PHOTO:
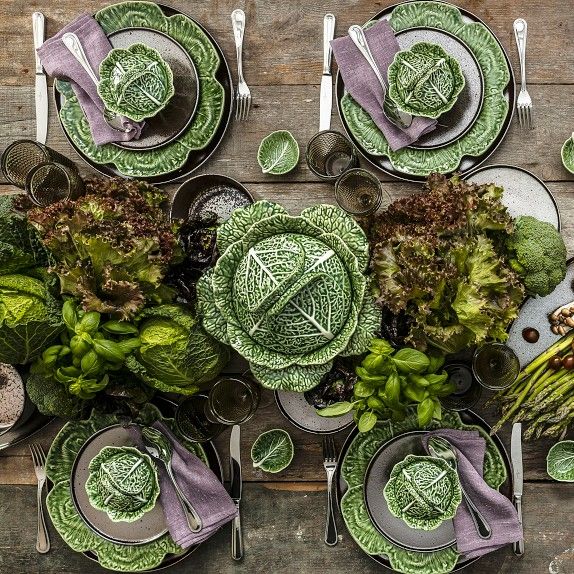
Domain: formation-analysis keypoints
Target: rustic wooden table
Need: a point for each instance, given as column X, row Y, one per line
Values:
column 284, row 514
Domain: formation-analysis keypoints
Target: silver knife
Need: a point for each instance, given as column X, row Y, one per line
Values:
column 518, row 479
column 235, row 488
column 38, row 28
column 326, row 101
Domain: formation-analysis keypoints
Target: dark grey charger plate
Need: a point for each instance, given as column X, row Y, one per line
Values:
column 467, row 163
column 468, row 417
column 196, row 158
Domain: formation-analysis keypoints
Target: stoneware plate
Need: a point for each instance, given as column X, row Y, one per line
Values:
column 12, row 397
column 487, row 129
column 170, row 122
column 524, row 193
column 534, row 313
column 214, row 193
column 301, row 414
column 567, row 154
column 395, row 529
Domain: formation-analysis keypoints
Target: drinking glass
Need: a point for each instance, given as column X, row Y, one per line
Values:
column 495, row 366
column 467, row 392
column 359, row 192
column 49, row 182
column 191, row 421
column 232, row 400
column 329, row 154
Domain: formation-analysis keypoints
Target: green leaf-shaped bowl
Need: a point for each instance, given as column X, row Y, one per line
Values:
column 135, row 82
column 425, row 80
column 278, row 153
column 567, row 154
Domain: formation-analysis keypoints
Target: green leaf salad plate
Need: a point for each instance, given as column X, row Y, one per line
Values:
column 81, row 514
column 203, row 121
column 477, row 122
column 362, row 450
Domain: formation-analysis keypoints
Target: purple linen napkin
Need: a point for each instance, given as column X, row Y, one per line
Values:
column 361, row 82
column 58, row 62
column 495, row 507
column 206, row 493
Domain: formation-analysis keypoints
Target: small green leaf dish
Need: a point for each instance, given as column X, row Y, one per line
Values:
column 423, row 491
column 123, row 483
column 560, row 461
column 272, row 451
column 278, row 153
column 135, row 82
column 425, row 80
column 567, row 154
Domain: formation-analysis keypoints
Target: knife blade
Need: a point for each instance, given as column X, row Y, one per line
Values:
column 41, row 88
column 518, row 479
column 235, row 489
column 326, row 99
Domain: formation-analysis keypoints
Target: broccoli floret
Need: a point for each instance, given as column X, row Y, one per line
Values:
column 538, row 254
column 52, row 398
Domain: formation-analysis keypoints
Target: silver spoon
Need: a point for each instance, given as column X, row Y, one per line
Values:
column 393, row 114
column 72, row 42
column 159, row 448
column 441, row 448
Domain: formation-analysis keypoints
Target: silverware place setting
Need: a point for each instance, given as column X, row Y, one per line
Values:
column 524, row 101
column 330, row 465
column 235, row 489
column 242, row 93
column 39, row 461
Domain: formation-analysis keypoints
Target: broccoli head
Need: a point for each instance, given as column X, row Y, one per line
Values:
column 538, row 254
column 52, row 398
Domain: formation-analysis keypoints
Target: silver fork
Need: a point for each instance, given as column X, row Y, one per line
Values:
column 524, row 101
column 39, row 460
column 243, row 94
column 330, row 464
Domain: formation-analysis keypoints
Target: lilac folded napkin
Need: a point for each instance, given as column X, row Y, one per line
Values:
column 58, row 62
column 495, row 507
column 362, row 83
column 203, row 489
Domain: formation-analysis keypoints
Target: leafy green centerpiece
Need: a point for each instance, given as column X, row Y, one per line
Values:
column 288, row 293
column 123, row 483
column 425, row 80
column 135, row 82
column 423, row 491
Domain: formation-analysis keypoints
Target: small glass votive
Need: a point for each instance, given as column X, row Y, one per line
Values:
column 329, row 154
column 467, row 392
column 21, row 156
column 495, row 366
column 191, row 421
column 359, row 192
column 49, row 182
column 232, row 400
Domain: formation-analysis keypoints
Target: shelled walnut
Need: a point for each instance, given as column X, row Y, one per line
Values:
column 562, row 319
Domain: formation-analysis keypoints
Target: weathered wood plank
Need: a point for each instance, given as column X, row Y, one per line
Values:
column 283, row 41
column 283, row 534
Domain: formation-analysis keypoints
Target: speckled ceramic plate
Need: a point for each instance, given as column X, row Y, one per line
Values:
column 12, row 396
column 356, row 454
column 180, row 157
column 524, row 193
column 301, row 414
column 534, row 313
column 488, row 128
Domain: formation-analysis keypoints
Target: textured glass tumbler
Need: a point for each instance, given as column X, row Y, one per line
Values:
column 232, row 400
column 359, row 192
column 50, row 182
column 495, row 366
column 329, row 154
column 467, row 392
column 21, row 156
column 191, row 421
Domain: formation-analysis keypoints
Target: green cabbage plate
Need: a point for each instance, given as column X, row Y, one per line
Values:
column 487, row 126
column 168, row 158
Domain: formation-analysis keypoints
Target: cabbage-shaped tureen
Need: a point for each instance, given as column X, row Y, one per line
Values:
column 289, row 293
column 122, row 482
column 423, row 491
column 135, row 82
column 425, row 80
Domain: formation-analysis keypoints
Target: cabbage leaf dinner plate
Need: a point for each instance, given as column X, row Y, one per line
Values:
column 149, row 163
column 480, row 126
column 356, row 456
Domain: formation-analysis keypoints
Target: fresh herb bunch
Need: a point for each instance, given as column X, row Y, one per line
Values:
column 389, row 381
column 112, row 246
column 438, row 256
column 88, row 352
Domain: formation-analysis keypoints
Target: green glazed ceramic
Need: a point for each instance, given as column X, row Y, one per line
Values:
column 354, row 467
column 64, row 514
column 204, row 124
column 123, row 483
column 487, row 126
column 568, row 154
column 135, row 82
column 423, row 491
column 425, row 80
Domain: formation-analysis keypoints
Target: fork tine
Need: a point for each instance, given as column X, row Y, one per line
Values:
column 519, row 114
column 34, row 454
column 248, row 106
column 237, row 104
column 529, row 116
column 244, row 108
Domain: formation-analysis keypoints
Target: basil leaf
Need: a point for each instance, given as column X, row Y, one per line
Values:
column 69, row 314
column 363, row 389
column 393, row 389
column 434, row 379
column 336, row 409
column 367, row 421
column 435, row 363
column 425, row 411
column 410, row 361
column 381, row 347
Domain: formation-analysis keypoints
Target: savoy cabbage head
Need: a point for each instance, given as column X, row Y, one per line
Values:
column 289, row 293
